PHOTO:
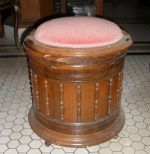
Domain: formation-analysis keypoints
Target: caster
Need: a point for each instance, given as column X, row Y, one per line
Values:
column 116, row 136
column 47, row 144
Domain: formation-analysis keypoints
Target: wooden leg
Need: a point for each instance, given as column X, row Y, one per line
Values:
column 1, row 27
column 47, row 144
column 16, row 18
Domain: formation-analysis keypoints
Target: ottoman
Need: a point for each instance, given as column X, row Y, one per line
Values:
column 76, row 71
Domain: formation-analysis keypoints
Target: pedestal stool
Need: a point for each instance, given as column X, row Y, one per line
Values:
column 76, row 70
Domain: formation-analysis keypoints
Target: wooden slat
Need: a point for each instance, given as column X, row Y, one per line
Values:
column 87, row 101
column 70, row 99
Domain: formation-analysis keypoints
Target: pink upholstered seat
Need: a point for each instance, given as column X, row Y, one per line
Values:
column 78, row 32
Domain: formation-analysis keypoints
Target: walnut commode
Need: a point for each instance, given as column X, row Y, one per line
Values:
column 76, row 90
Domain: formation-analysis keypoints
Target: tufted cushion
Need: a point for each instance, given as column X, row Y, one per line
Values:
column 78, row 32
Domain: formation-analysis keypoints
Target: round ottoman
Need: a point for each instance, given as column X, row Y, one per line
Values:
column 76, row 71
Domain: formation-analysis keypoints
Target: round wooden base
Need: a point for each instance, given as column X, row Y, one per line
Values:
column 68, row 140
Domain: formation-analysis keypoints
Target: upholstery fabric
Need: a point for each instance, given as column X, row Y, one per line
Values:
column 78, row 32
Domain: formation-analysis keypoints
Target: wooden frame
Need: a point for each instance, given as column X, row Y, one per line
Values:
column 6, row 4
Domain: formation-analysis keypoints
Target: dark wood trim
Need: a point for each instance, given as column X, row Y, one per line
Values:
column 13, row 5
column 16, row 22
column 99, row 7
column 1, row 27
column 63, row 7
column 131, row 20
column 140, row 46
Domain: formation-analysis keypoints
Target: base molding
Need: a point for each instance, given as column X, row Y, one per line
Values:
column 76, row 140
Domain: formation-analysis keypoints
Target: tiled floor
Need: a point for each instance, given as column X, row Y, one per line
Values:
column 15, row 101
